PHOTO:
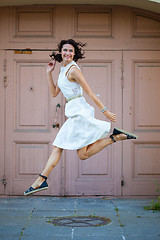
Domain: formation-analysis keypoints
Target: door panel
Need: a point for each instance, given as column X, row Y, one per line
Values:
column 30, row 112
column 141, row 115
column 100, row 174
column 2, row 121
column 31, row 93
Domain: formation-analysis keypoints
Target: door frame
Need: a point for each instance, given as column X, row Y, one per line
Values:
column 2, row 121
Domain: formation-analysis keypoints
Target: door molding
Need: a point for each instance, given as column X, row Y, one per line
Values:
column 2, row 124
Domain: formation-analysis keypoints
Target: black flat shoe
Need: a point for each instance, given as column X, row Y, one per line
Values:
column 32, row 190
column 117, row 131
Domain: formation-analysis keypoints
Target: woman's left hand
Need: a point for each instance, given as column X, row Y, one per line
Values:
column 51, row 66
column 110, row 116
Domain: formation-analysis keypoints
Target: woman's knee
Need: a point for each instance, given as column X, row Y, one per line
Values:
column 82, row 154
column 57, row 150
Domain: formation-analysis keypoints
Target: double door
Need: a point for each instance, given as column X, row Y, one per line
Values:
column 123, row 81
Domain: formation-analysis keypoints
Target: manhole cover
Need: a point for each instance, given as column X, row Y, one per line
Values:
column 80, row 221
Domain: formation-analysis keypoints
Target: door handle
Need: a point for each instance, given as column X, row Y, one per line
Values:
column 55, row 123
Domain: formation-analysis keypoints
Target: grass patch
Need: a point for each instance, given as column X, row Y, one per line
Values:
column 155, row 205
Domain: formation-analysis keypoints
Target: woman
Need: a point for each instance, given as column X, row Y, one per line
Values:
column 81, row 131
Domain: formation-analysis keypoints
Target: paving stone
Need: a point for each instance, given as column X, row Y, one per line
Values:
column 25, row 218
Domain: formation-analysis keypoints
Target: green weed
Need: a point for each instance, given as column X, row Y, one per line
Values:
column 155, row 204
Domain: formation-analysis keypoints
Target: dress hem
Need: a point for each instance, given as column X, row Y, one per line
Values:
column 105, row 134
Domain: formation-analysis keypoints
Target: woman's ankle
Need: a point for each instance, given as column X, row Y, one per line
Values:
column 38, row 182
column 120, row 137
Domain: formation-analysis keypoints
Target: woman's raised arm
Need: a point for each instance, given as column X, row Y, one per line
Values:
column 54, row 89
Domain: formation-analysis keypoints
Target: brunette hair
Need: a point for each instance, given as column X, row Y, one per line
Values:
column 77, row 46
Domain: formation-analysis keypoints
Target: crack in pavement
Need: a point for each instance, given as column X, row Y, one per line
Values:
column 23, row 229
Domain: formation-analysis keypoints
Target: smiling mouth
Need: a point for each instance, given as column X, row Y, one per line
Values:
column 67, row 57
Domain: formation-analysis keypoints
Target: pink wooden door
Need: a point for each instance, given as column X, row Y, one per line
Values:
column 30, row 112
column 100, row 174
column 141, row 114
column 2, row 123
column 29, row 116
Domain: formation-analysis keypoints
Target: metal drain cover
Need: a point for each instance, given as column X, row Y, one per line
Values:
column 80, row 221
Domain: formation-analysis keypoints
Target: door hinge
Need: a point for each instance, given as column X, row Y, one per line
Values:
column 122, row 181
column 5, row 82
column 122, row 73
column 4, row 181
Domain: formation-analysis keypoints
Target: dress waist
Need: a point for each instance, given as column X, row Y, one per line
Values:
column 74, row 97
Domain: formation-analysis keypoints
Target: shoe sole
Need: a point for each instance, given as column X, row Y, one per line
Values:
column 36, row 190
column 127, row 133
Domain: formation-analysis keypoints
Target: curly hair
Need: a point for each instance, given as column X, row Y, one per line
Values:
column 77, row 46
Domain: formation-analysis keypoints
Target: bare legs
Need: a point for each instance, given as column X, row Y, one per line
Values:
column 83, row 154
column 97, row 146
column 52, row 162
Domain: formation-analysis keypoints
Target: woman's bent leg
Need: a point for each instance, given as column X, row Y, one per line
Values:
column 97, row 146
column 52, row 162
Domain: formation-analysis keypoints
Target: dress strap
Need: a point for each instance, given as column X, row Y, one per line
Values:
column 69, row 69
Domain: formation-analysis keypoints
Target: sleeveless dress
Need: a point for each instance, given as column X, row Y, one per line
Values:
column 81, row 128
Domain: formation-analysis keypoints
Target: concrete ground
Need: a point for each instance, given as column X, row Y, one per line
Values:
column 29, row 218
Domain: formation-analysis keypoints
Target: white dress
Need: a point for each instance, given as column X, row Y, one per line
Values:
column 81, row 128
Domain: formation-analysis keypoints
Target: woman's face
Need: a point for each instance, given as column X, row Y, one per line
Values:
column 68, row 53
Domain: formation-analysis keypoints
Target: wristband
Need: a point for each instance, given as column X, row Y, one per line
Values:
column 103, row 109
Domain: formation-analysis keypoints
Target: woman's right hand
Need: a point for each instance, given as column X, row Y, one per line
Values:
column 110, row 116
column 51, row 66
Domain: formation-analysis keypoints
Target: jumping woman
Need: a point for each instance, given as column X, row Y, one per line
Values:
column 81, row 131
